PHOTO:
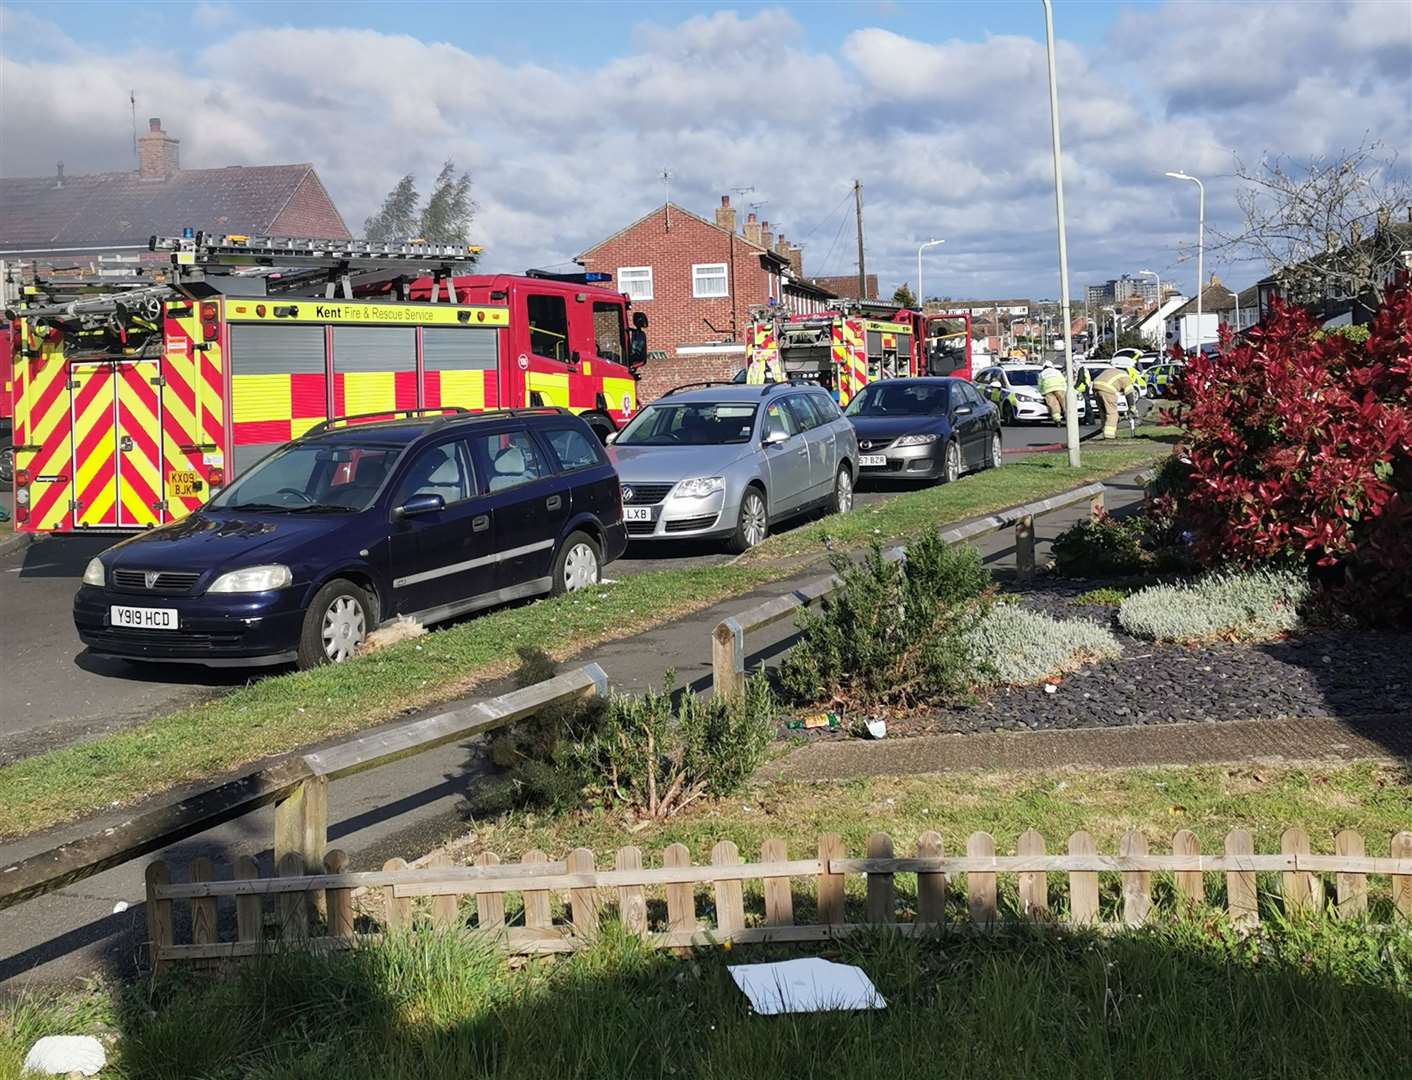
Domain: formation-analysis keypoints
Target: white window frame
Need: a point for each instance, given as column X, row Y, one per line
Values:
column 721, row 270
column 631, row 287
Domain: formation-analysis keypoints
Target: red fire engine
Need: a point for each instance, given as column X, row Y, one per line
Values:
column 849, row 345
column 131, row 407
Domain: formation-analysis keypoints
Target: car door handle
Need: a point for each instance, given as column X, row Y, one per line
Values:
column 803, row 451
column 480, row 523
column 553, row 502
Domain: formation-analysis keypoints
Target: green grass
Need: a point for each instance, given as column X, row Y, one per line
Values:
column 1108, row 596
column 285, row 712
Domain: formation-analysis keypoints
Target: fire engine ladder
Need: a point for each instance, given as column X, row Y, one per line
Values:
column 336, row 265
column 126, row 311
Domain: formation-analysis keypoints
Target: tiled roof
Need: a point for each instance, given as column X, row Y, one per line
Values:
column 103, row 209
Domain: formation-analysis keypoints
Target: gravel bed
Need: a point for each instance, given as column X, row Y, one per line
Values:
column 1334, row 674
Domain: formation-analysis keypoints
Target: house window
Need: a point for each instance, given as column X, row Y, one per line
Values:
column 636, row 281
column 709, row 279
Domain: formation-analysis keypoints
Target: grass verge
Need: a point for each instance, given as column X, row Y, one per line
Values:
column 1302, row 999
column 284, row 712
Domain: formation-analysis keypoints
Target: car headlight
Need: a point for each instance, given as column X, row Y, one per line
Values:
column 93, row 573
column 1028, row 395
column 253, row 579
column 699, row 487
column 915, row 440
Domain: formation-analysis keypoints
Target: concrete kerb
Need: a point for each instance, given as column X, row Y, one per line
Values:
column 728, row 637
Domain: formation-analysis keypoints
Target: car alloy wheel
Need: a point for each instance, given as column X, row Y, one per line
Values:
column 996, row 451
column 580, row 567
column 345, row 627
column 953, row 463
column 843, row 492
column 752, row 518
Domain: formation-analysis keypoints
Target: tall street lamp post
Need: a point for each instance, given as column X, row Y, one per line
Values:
column 1071, row 420
column 1200, row 247
column 921, row 296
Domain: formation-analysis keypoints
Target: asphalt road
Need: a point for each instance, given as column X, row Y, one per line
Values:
column 53, row 692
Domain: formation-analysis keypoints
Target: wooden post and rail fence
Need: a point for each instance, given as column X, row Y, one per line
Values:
column 563, row 902
column 728, row 650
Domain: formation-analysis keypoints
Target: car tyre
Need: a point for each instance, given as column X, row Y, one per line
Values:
column 997, row 451
column 951, row 463
column 753, row 523
column 842, row 491
column 579, row 564
column 337, row 621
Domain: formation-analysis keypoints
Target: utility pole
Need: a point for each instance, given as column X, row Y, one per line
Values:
column 132, row 104
column 858, row 213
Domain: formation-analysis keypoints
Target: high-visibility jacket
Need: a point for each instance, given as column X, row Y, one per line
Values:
column 1051, row 381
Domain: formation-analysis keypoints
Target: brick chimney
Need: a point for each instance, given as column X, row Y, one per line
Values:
column 767, row 238
column 796, row 260
column 752, row 228
column 725, row 214
column 157, row 152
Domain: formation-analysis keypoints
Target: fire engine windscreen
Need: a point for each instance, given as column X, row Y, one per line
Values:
column 324, row 479
column 900, row 399
column 694, row 424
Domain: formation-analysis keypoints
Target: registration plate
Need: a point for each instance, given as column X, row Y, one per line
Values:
column 637, row 513
column 143, row 618
column 869, row 461
column 183, row 483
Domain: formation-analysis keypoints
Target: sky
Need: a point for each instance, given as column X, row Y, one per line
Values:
column 566, row 115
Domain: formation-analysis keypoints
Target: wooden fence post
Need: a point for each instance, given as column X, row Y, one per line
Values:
column 830, row 884
column 159, row 913
column 632, row 901
column 931, row 887
column 882, row 890
column 1240, row 884
column 1137, row 884
column 203, row 908
column 681, row 896
column 779, row 893
column 1402, row 883
column 301, row 827
column 248, row 913
column 293, row 906
column 539, row 913
column 1190, row 885
column 1024, row 546
column 727, row 658
column 583, row 903
column 1034, row 884
column 490, row 907
column 339, row 901
column 1352, row 889
column 1083, row 884
column 980, row 886
column 730, row 901
column 1301, row 891
column 397, row 910
column 443, row 908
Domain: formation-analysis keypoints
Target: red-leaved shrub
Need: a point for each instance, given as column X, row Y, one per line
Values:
column 1301, row 448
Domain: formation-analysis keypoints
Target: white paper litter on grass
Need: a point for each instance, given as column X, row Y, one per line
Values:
column 810, row 985
column 64, row 1055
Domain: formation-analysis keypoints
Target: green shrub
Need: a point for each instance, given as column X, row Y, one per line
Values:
column 893, row 632
column 1108, row 596
column 1238, row 605
column 1100, row 547
column 1021, row 646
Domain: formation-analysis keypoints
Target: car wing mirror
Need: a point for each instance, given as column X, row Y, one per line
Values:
column 426, row 503
column 961, row 410
column 774, row 436
column 610, row 438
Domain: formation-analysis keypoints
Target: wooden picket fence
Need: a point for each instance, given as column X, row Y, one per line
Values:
column 282, row 911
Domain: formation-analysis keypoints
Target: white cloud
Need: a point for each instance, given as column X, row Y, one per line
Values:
column 950, row 138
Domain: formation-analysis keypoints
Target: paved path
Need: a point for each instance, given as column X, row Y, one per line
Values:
column 402, row 809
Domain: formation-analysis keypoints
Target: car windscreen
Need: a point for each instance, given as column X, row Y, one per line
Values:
column 1023, row 378
column 690, row 424
column 312, row 478
column 906, row 399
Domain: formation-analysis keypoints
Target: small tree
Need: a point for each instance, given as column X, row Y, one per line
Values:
column 903, row 297
column 397, row 220
column 445, row 219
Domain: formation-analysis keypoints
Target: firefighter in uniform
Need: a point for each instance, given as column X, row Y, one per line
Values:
column 1108, row 385
column 1051, row 387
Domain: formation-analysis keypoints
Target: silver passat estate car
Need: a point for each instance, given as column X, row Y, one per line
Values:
column 727, row 461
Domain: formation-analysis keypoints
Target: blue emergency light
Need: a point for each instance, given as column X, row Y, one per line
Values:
column 188, row 233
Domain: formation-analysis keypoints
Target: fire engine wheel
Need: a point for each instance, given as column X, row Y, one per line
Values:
column 753, row 525
column 843, row 491
column 997, row 451
column 951, row 464
column 577, row 565
column 7, row 465
column 335, row 624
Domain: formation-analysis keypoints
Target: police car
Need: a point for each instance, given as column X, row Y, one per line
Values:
column 1014, row 390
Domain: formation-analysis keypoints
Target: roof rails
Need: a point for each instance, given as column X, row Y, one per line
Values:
column 700, row 386
column 438, row 413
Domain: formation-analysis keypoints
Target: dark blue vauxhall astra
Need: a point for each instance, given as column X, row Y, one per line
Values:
column 355, row 523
